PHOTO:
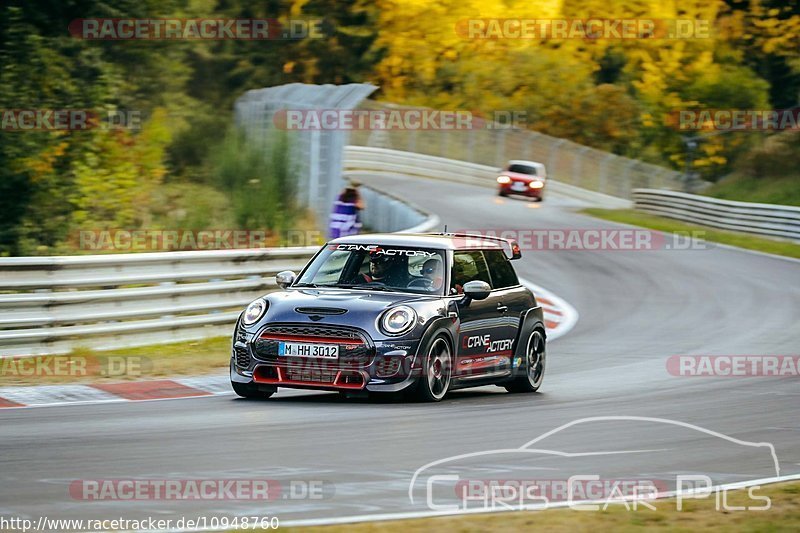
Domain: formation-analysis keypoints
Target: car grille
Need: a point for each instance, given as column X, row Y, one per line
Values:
column 319, row 375
column 242, row 357
column 387, row 366
column 241, row 352
column 355, row 349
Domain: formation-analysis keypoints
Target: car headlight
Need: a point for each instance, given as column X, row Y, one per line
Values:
column 254, row 311
column 536, row 184
column 503, row 179
column 398, row 320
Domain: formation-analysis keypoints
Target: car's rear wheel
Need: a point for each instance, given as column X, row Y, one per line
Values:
column 436, row 371
column 534, row 365
column 247, row 390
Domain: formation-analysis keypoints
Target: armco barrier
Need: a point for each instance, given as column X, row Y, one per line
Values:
column 50, row 305
column 763, row 219
column 365, row 160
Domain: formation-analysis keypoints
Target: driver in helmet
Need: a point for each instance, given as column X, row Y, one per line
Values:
column 381, row 269
column 432, row 270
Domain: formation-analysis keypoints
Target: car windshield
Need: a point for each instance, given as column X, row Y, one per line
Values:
column 523, row 169
column 377, row 267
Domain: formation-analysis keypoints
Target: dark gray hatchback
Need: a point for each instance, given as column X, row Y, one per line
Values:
column 421, row 314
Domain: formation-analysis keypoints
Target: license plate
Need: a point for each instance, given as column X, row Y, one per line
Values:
column 302, row 349
column 519, row 186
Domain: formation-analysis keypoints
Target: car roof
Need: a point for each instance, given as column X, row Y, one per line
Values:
column 448, row 241
column 523, row 162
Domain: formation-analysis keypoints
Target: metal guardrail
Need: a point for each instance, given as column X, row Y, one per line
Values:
column 762, row 219
column 364, row 161
column 51, row 305
column 386, row 213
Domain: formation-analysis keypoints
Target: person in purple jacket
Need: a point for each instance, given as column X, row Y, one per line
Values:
column 345, row 219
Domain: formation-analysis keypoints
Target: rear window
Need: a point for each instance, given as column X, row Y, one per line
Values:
column 523, row 169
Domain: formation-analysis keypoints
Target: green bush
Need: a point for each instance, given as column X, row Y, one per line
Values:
column 767, row 174
column 256, row 177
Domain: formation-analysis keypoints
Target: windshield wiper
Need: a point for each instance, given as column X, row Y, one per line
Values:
column 313, row 285
column 365, row 287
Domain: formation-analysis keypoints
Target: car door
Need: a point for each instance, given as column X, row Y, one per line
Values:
column 483, row 346
column 512, row 298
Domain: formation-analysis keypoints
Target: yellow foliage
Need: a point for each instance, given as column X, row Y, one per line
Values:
column 118, row 174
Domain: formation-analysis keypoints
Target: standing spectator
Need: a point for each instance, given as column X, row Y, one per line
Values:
column 345, row 217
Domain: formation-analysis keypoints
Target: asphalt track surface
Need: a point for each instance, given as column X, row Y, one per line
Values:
column 636, row 309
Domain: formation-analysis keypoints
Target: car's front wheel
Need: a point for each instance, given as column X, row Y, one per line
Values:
column 436, row 371
column 534, row 365
column 247, row 390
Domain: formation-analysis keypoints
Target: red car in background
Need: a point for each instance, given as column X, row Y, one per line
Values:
column 527, row 178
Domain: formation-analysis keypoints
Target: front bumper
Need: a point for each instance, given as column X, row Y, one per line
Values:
column 364, row 364
column 532, row 193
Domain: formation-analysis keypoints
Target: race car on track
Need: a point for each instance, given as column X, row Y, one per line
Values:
column 526, row 178
column 422, row 314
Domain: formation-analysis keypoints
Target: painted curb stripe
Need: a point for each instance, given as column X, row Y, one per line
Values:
column 7, row 403
column 211, row 384
column 150, row 390
column 54, row 394
column 557, row 326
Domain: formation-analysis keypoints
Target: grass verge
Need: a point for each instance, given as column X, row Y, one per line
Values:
column 776, row 190
column 742, row 240
column 697, row 515
column 148, row 362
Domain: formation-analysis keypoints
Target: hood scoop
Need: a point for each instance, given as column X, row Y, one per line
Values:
column 320, row 310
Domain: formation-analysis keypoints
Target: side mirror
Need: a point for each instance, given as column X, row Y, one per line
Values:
column 477, row 290
column 285, row 279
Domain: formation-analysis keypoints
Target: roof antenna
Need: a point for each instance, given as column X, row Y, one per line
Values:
column 445, row 228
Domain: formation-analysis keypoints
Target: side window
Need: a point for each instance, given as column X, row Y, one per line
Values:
column 468, row 266
column 503, row 274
